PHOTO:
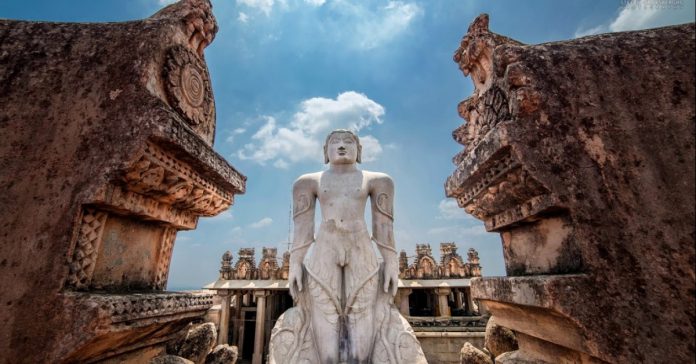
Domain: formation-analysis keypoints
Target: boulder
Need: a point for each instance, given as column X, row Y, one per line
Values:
column 499, row 339
column 170, row 359
column 222, row 354
column 196, row 343
column 472, row 355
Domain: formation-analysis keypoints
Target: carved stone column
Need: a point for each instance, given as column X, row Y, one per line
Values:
column 469, row 302
column 443, row 308
column 259, row 335
column 224, row 324
column 404, row 306
column 236, row 323
column 458, row 298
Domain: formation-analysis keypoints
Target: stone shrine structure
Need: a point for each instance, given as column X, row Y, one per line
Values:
column 345, row 311
column 581, row 155
column 440, row 309
column 107, row 133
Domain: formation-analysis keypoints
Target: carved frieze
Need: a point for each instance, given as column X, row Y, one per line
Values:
column 159, row 176
column 144, row 306
column 188, row 87
column 86, row 248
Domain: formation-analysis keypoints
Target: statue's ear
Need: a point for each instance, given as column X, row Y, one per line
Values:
column 359, row 157
column 326, row 154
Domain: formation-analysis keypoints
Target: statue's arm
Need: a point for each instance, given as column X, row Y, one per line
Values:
column 382, row 200
column 304, row 202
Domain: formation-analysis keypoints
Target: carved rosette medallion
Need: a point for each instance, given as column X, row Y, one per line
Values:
column 188, row 87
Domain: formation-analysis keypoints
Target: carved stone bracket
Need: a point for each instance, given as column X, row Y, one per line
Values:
column 161, row 177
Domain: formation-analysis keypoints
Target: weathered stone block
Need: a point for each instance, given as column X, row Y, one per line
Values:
column 499, row 339
column 581, row 154
column 222, row 354
column 106, row 153
column 472, row 355
column 195, row 343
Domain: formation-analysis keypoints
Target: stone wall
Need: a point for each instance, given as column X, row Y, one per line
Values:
column 581, row 155
column 443, row 349
column 106, row 153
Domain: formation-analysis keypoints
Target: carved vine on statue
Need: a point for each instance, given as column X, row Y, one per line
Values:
column 345, row 311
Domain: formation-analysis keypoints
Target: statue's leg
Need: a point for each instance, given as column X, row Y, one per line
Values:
column 361, row 291
column 323, row 284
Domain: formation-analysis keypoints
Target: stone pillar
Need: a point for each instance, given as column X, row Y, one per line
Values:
column 224, row 324
column 260, row 326
column 442, row 304
column 458, row 298
column 469, row 302
column 237, row 316
column 404, row 306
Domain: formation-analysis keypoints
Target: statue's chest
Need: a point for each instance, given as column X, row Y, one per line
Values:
column 342, row 188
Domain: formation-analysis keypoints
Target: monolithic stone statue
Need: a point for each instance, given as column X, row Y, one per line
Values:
column 344, row 297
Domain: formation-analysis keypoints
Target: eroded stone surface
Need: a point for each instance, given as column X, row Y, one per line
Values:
column 195, row 343
column 581, row 154
column 170, row 359
column 222, row 354
column 499, row 339
column 472, row 355
column 102, row 162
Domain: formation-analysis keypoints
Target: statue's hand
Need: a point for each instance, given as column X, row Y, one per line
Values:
column 391, row 277
column 295, row 280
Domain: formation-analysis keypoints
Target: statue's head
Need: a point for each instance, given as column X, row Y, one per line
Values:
column 342, row 146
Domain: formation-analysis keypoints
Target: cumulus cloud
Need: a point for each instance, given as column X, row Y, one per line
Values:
column 449, row 210
column 243, row 17
column 373, row 27
column 264, row 6
column 301, row 138
column 315, row 2
column 262, row 223
column 234, row 133
column 644, row 14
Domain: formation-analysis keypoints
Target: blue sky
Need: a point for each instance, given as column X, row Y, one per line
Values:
column 286, row 72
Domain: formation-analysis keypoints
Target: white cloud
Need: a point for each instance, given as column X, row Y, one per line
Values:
column 243, row 17
column 644, row 14
column 264, row 6
column 262, row 223
column 301, row 139
column 233, row 134
column 449, row 210
column 166, row 2
column 315, row 2
column 223, row 216
column 375, row 28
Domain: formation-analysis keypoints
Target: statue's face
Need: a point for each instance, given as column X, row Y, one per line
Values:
column 342, row 149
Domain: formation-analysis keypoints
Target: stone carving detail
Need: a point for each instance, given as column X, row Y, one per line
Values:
column 301, row 205
column 188, row 86
column 159, row 176
column 482, row 114
column 384, row 205
column 246, row 266
column 164, row 258
column 86, row 248
column 226, row 266
column 269, row 264
column 120, row 199
column 451, row 265
column 143, row 306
